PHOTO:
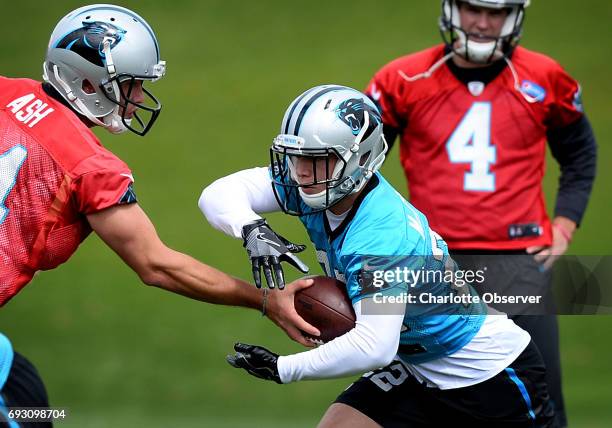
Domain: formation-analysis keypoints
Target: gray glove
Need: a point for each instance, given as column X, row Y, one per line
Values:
column 267, row 249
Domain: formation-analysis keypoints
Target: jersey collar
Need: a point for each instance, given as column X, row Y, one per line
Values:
column 482, row 74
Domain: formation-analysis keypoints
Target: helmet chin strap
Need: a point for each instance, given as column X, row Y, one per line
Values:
column 113, row 124
column 445, row 58
column 517, row 87
column 112, row 121
column 73, row 99
column 316, row 200
column 429, row 72
column 478, row 52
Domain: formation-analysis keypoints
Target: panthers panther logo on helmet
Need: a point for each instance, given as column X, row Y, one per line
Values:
column 342, row 124
column 352, row 112
column 88, row 40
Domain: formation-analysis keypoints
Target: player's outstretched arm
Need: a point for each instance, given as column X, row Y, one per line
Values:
column 233, row 203
column 130, row 233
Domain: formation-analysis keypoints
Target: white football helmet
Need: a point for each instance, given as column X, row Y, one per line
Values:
column 324, row 121
column 482, row 52
column 101, row 46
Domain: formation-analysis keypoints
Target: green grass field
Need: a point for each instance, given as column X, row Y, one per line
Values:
column 116, row 353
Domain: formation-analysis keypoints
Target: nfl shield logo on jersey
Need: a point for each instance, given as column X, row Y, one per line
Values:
column 476, row 88
column 534, row 90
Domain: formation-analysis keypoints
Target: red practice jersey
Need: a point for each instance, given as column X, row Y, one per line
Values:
column 474, row 155
column 53, row 171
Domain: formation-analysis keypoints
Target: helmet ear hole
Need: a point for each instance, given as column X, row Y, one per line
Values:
column 364, row 158
column 87, row 87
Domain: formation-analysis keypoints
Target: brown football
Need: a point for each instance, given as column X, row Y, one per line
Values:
column 326, row 305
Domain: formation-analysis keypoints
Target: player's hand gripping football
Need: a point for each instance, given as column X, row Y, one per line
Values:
column 256, row 360
column 267, row 250
column 279, row 306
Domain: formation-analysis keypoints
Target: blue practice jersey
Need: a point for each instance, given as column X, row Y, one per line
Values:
column 384, row 229
column 6, row 359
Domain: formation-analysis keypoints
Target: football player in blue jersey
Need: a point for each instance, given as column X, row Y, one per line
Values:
column 467, row 364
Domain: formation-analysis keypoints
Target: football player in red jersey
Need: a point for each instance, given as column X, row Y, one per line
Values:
column 473, row 116
column 58, row 183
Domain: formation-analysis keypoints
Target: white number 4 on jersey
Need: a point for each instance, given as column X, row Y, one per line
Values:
column 10, row 163
column 474, row 128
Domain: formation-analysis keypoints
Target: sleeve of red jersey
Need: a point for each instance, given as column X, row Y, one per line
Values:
column 104, row 181
column 381, row 91
column 567, row 102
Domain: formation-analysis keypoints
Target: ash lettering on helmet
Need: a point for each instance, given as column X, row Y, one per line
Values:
column 88, row 41
column 352, row 113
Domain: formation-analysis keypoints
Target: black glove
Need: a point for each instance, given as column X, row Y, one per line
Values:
column 266, row 250
column 256, row 360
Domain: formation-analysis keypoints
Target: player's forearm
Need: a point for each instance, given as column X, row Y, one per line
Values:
column 371, row 344
column 575, row 148
column 237, row 199
column 184, row 275
column 130, row 233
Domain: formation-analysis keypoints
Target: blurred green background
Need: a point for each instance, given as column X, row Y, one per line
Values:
column 116, row 353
